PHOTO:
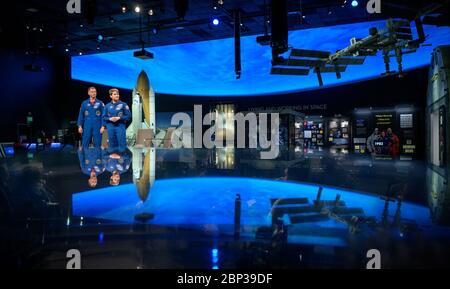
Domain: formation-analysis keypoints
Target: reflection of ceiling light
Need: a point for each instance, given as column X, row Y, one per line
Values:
column 137, row 9
column 150, row 12
column 215, row 21
column 32, row 10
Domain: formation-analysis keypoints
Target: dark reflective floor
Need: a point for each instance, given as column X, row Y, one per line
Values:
column 166, row 208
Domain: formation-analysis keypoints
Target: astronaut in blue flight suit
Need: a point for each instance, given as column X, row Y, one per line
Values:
column 92, row 163
column 117, row 164
column 90, row 119
column 115, row 116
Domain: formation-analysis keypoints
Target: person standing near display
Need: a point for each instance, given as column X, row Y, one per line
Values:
column 115, row 116
column 90, row 119
column 371, row 141
column 394, row 143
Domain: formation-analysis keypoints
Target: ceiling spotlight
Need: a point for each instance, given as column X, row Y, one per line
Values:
column 354, row 3
column 137, row 9
column 67, row 49
column 151, row 12
column 123, row 7
column 215, row 21
column 80, row 53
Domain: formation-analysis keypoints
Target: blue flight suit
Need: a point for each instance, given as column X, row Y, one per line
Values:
column 116, row 130
column 91, row 158
column 121, row 165
column 90, row 119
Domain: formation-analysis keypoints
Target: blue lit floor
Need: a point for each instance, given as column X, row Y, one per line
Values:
column 193, row 199
column 207, row 203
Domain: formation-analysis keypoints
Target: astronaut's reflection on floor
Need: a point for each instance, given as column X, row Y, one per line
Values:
column 117, row 164
column 95, row 161
column 91, row 163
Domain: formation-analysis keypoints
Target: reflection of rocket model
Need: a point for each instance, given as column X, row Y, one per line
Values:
column 144, row 170
column 143, row 100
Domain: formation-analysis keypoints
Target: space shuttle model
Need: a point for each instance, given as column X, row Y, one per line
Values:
column 143, row 105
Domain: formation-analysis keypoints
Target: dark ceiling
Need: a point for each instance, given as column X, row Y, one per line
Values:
column 46, row 25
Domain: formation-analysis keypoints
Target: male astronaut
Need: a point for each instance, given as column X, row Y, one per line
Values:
column 115, row 116
column 90, row 119
column 92, row 163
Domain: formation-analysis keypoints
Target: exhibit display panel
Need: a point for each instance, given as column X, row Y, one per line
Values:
column 339, row 131
column 314, row 132
column 386, row 133
column 437, row 124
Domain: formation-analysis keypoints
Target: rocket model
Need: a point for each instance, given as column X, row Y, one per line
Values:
column 144, row 160
column 143, row 101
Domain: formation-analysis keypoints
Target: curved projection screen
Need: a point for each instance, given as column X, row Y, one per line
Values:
column 207, row 68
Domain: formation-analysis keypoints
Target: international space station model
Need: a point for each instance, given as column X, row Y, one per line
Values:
column 142, row 128
column 393, row 41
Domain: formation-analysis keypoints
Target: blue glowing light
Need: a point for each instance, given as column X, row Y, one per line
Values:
column 354, row 3
column 55, row 145
column 215, row 21
column 215, row 256
column 215, row 267
column 207, row 203
column 9, row 151
column 173, row 70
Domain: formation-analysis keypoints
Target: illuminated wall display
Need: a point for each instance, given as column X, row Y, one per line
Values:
column 396, row 134
column 207, row 68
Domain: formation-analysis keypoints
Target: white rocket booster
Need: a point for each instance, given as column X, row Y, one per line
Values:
column 143, row 101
